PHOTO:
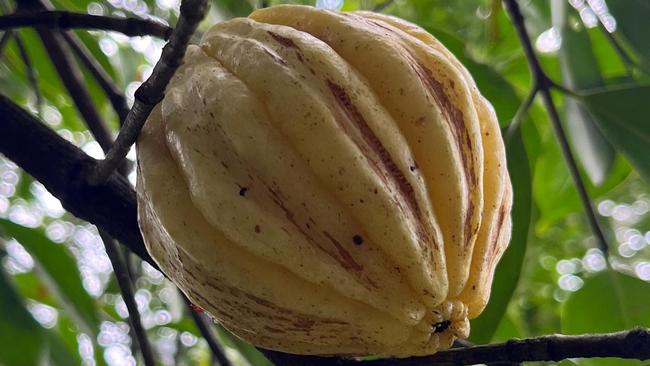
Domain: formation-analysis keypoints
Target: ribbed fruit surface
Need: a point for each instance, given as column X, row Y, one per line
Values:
column 326, row 183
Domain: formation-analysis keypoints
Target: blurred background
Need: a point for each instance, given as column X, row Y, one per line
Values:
column 60, row 298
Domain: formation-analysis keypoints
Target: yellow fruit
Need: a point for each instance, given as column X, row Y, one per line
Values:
column 326, row 183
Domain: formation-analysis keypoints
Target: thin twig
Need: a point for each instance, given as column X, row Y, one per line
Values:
column 4, row 40
column 205, row 328
column 31, row 73
column 522, row 111
column 74, row 83
column 67, row 20
column 152, row 90
column 117, row 98
column 126, row 288
column 544, row 84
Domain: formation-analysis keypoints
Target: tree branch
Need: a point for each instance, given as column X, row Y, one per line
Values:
column 116, row 97
column 543, row 82
column 67, row 20
column 61, row 167
column 72, row 79
column 31, row 73
column 205, row 328
column 632, row 344
column 126, row 288
column 153, row 89
column 4, row 40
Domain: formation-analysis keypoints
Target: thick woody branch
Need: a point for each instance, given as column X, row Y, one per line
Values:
column 153, row 89
column 633, row 344
column 67, row 20
column 62, row 167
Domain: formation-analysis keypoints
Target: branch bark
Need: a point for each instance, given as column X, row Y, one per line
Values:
column 126, row 289
column 632, row 344
column 116, row 97
column 62, row 167
column 63, row 20
column 153, row 89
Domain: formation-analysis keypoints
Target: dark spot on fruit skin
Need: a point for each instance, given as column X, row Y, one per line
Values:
column 257, row 229
column 441, row 326
column 242, row 191
column 357, row 239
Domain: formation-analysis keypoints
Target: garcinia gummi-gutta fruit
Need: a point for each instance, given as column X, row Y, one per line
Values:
column 326, row 183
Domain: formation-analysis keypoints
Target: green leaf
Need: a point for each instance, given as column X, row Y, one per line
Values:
column 608, row 302
column 507, row 329
column 60, row 353
column 250, row 353
column 59, row 271
column 622, row 115
column 580, row 70
column 632, row 22
column 507, row 273
column 21, row 337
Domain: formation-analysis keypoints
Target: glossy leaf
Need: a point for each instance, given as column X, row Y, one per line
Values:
column 632, row 22
column 622, row 114
column 608, row 302
column 60, row 354
column 554, row 191
column 59, row 272
column 250, row 353
column 23, row 340
column 506, row 276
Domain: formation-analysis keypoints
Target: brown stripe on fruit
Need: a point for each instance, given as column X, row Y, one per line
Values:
column 287, row 42
column 372, row 141
column 343, row 253
column 501, row 219
column 380, row 156
column 454, row 118
column 342, row 256
column 453, row 114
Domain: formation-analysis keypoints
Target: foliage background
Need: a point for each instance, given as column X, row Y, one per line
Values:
column 60, row 304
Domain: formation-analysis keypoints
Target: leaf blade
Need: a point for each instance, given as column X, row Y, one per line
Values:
column 59, row 271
